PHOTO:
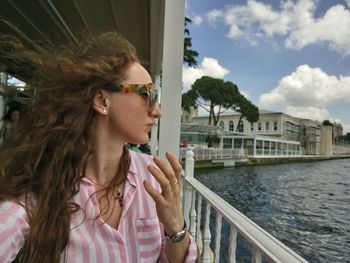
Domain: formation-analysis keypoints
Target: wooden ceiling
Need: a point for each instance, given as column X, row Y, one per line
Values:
column 140, row 21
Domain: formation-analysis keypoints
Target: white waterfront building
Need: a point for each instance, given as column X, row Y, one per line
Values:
column 274, row 134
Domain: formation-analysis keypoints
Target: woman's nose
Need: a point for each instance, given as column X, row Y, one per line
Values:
column 156, row 112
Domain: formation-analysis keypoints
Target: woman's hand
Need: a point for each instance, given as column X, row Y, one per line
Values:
column 168, row 201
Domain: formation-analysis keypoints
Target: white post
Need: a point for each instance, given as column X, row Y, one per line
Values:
column 187, row 196
column 199, row 217
column 276, row 144
column 233, row 244
column 218, row 237
column 254, row 154
column 173, row 47
column 193, row 215
column 256, row 256
column 154, row 133
column 206, row 236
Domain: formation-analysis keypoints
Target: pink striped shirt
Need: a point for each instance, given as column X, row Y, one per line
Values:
column 139, row 237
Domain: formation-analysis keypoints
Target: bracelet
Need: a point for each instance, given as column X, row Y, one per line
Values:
column 179, row 236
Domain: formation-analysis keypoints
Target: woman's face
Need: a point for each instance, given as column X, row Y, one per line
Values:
column 129, row 114
column 15, row 116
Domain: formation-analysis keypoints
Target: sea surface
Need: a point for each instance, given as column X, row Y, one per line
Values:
column 304, row 205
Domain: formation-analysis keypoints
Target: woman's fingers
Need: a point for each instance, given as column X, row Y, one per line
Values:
column 161, row 178
column 157, row 197
column 172, row 171
column 175, row 164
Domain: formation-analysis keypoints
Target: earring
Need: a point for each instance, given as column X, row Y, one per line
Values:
column 104, row 111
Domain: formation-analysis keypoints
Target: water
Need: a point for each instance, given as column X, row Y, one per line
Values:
column 304, row 205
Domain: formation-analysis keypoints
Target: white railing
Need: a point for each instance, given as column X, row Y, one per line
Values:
column 340, row 149
column 263, row 244
column 214, row 153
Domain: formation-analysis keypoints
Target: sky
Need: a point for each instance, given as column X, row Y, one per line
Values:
column 291, row 56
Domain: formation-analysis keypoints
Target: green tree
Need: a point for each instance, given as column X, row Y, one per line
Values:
column 207, row 92
column 217, row 96
column 246, row 109
column 347, row 137
column 241, row 104
column 190, row 55
column 327, row 123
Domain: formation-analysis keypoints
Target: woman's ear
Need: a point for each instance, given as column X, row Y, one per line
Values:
column 101, row 102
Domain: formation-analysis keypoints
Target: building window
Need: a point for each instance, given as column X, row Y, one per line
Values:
column 252, row 126
column 240, row 126
column 259, row 126
column 222, row 125
column 231, row 126
column 267, row 126
column 275, row 125
column 227, row 143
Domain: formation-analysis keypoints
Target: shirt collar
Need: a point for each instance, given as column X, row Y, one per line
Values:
column 132, row 170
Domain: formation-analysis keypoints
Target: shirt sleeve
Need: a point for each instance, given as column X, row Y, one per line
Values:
column 13, row 228
column 191, row 252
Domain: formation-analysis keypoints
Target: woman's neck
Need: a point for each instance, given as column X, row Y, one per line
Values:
column 104, row 162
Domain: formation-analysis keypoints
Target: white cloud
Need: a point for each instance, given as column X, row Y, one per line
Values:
column 197, row 20
column 308, row 113
column 209, row 67
column 307, row 92
column 295, row 21
column 214, row 15
column 346, row 128
column 323, row 30
column 308, row 87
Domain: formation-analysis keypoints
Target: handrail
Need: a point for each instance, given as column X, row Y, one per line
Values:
column 258, row 237
column 264, row 244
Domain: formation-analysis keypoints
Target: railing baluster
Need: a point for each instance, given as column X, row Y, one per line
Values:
column 256, row 256
column 193, row 214
column 199, row 217
column 233, row 244
column 206, row 236
column 187, row 189
column 218, row 237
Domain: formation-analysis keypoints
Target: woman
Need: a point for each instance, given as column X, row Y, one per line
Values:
column 70, row 191
column 11, row 119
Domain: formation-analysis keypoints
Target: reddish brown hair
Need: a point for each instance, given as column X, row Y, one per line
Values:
column 42, row 160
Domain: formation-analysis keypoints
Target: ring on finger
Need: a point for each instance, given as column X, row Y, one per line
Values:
column 175, row 182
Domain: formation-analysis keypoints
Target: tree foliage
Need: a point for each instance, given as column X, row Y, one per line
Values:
column 327, row 123
column 244, row 106
column 208, row 93
column 190, row 55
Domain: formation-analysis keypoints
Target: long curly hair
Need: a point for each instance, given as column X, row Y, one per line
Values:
column 54, row 139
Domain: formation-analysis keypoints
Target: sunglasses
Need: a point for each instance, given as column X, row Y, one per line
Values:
column 145, row 90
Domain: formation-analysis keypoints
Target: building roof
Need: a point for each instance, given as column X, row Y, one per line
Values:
column 141, row 22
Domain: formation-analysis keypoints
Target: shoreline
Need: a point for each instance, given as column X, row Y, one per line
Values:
column 251, row 161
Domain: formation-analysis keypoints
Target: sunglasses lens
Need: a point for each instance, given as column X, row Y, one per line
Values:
column 153, row 99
